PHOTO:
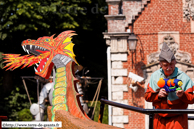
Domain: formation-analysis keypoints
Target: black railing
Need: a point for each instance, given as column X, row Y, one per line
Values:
column 150, row 112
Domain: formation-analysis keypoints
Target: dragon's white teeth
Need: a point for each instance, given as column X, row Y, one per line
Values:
column 27, row 51
column 47, row 59
column 41, row 48
column 40, row 69
column 24, row 48
column 35, row 69
column 30, row 46
column 37, row 65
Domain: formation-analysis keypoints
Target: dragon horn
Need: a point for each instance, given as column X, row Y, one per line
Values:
column 52, row 36
column 65, row 33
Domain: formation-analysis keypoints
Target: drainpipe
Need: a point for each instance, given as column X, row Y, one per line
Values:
column 109, row 86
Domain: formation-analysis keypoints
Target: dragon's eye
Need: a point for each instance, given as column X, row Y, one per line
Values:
column 47, row 40
column 29, row 39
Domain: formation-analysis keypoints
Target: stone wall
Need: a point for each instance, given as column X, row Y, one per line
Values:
column 118, row 44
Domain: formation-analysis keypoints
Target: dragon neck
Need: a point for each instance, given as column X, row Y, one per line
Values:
column 65, row 96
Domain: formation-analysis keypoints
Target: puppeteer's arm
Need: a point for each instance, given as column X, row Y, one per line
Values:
column 150, row 95
column 188, row 96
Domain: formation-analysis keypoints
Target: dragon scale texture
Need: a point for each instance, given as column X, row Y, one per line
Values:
column 59, row 94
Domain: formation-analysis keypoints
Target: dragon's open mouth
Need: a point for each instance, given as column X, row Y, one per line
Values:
column 37, row 50
column 41, row 64
column 44, row 62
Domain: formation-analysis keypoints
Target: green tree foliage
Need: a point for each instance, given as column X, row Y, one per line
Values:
column 16, row 107
column 97, row 111
column 32, row 16
column 25, row 115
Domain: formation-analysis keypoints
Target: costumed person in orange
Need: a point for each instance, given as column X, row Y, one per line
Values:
column 161, row 99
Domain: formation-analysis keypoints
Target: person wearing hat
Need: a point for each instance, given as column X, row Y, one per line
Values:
column 172, row 100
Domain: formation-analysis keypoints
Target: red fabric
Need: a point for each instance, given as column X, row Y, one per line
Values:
column 176, row 122
column 151, row 96
column 188, row 96
column 170, row 121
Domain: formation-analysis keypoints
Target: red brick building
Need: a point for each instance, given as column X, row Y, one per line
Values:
column 153, row 22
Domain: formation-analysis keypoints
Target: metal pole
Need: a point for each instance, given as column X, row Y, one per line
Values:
column 147, row 111
column 190, row 117
column 27, row 91
column 151, row 115
column 150, row 112
column 98, row 90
